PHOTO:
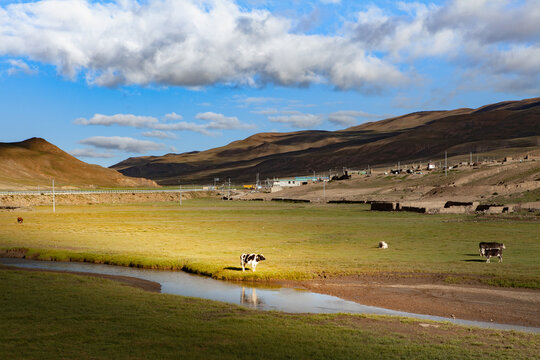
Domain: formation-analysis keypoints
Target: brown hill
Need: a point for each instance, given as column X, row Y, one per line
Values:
column 416, row 136
column 35, row 161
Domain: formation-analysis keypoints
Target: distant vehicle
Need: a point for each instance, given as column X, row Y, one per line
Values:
column 249, row 187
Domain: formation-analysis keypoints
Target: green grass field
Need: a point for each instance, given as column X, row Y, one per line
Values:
column 299, row 241
column 61, row 316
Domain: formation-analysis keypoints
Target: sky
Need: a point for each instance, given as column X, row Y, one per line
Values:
column 108, row 80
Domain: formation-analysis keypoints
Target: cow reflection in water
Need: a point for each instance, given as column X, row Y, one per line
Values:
column 250, row 299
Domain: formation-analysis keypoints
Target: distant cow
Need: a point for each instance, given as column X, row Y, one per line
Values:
column 493, row 252
column 20, row 220
column 383, row 245
column 252, row 259
column 489, row 245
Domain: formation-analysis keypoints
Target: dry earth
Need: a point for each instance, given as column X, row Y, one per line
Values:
column 464, row 184
column 90, row 199
column 428, row 294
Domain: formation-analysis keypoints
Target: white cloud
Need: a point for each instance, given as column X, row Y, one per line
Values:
column 498, row 37
column 19, row 66
column 275, row 111
column 187, row 43
column 302, row 121
column 184, row 126
column 119, row 119
column 222, row 122
column 159, row 134
column 162, row 130
column 260, row 100
column 126, row 144
column 90, row 153
column 195, row 43
column 173, row 116
column 349, row 117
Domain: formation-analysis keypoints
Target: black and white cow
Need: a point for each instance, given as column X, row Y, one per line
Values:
column 493, row 252
column 483, row 246
column 252, row 259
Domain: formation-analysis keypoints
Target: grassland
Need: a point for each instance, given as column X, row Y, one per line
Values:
column 299, row 241
column 53, row 316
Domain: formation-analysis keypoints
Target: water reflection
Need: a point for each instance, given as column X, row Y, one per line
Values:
column 250, row 299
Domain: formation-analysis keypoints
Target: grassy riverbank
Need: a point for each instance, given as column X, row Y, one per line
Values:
column 299, row 241
column 51, row 316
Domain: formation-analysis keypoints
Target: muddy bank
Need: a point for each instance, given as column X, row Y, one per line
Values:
column 91, row 199
column 131, row 281
column 428, row 294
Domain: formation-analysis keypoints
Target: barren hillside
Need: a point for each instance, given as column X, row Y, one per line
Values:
column 35, row 161
column 416, row 136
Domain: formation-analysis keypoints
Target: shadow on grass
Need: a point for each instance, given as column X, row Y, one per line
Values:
column 474, row 260
column 235, row 268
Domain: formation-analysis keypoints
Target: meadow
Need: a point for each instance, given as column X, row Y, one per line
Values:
column 63, row 316
column 300, row 241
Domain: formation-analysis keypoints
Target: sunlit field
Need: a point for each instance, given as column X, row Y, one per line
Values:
column 299, row 241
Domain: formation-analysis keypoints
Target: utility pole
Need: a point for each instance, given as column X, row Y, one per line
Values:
column 324, row 191
column 470, row 159
column 445, row 164
column 229, row 190
column 53, row 200
column 180, row 192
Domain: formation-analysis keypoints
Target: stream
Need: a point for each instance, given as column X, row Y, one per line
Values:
column 246, row 294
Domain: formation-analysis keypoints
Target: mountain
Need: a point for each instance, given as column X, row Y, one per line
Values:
column 35, row 161
column 417, row 136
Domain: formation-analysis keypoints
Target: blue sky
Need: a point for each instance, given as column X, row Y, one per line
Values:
column 107, row 80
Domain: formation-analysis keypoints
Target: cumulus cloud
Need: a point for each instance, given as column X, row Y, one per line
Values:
column 19, row 66
column 275, row 111
column 185, row 43
column 162, row 129
column 184, row 126
column 349, row 117
column 499, row 37
column 90, row 153
column 159, row 134
column 196, row 43
column 173, row 116
column 126, row 144
column 222, row 122
column 119, row 119
column 302, row 121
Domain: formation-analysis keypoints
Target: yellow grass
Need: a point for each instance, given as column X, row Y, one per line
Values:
column 299, row 241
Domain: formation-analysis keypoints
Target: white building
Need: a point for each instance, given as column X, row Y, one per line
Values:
column 286, row 183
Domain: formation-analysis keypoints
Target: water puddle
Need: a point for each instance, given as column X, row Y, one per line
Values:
column 256, row 297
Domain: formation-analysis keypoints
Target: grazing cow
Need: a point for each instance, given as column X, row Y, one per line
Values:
column 493, row 252
column 489, row 245
column 383, row 245
column 20, row 220
column 252, row 259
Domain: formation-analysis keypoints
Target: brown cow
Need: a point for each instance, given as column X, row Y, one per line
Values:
column 20, row 220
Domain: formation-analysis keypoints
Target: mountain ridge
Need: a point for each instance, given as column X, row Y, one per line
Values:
column 419, row 135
